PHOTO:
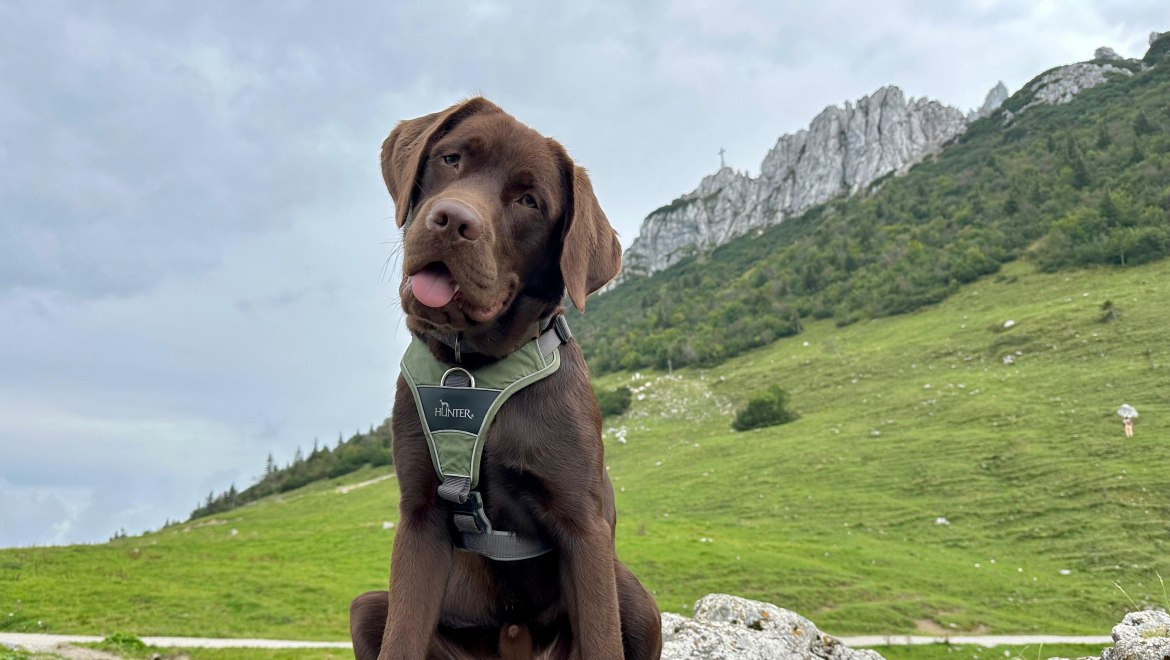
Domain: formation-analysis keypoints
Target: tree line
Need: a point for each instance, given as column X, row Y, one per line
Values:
column 322, row 462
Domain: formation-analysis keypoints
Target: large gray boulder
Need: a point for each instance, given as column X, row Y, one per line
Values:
column 1106, row 53
column 1062, row 84
column 730, row 628
column 1140, row 636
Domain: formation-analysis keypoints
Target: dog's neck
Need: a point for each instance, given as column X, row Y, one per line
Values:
column 483, row 344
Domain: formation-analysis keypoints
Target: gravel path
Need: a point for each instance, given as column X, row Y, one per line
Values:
column 981, row 640
column 42, row 643
column 39, row 642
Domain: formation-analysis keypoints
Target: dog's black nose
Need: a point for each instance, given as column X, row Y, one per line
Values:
column 449, row 215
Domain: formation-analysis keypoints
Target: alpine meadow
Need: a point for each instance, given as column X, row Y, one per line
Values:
column 948, row 348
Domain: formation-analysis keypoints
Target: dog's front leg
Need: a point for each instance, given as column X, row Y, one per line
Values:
column 420, row 565
column 589, row 564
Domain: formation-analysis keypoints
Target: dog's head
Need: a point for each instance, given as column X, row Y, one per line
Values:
column 499, row 222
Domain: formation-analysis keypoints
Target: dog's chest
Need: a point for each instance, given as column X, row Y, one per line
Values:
column 525, row 451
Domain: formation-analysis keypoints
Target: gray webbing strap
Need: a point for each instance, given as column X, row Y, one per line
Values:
column 455, row 489
column 473, row 532
column 502, row 546
column 553, row 335
column 553, row 330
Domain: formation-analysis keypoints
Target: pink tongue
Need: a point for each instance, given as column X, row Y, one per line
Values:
column 433, row 289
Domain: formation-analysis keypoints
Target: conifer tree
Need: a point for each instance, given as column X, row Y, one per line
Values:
column 1142, row 125
column 1076, row 161
column 1103, row 138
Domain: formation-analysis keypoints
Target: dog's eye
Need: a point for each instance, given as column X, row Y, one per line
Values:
column 529, row 201
column 451, row 159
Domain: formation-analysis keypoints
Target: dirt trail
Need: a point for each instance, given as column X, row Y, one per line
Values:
column 55, row 643
column 980, row 640
column 342, row 490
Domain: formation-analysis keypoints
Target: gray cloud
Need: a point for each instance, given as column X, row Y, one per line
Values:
column 196, row 252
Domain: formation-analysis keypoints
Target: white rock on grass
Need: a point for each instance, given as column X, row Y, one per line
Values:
column 1140, row 636
column 731, row 628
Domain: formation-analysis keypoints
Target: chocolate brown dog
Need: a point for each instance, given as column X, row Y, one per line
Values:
column 499, row 224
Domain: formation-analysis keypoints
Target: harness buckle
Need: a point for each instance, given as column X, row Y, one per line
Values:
column 469, row 515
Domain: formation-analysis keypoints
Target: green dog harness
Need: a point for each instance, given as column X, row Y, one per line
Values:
column 457, row 406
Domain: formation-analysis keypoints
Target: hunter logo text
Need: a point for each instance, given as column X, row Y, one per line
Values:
column 445, row 410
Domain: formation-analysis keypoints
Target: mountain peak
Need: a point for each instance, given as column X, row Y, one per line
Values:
column 994, row 99
column 1106, row 53
column 843, row 149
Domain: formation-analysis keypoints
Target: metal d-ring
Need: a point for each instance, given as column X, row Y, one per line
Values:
column 470, row 378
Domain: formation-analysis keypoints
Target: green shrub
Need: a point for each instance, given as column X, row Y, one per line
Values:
column 614, row 402
column 122, row 642
column 766, row 410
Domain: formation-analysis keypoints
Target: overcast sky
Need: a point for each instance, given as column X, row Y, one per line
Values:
column 196, row 245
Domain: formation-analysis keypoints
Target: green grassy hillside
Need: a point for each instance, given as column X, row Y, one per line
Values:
column 904, row 420
column 1085, row 182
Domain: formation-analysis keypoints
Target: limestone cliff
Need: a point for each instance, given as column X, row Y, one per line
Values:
column 843, row 150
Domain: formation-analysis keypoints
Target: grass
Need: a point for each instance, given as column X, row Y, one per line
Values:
column 286, row 567
column 168, row 653
column 261, row 654
column 926, row 485
column 973, row 652
column 904, row 421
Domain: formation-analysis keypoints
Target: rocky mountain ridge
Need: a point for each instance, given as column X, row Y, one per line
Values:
column 843, row 151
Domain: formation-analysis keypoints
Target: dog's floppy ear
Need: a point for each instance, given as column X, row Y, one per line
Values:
column 591, row 255
column 404, row 151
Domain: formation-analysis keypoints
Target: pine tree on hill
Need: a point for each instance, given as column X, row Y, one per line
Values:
column 361, row 450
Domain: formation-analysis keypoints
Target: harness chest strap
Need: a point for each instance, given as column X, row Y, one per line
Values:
column 456, row 406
